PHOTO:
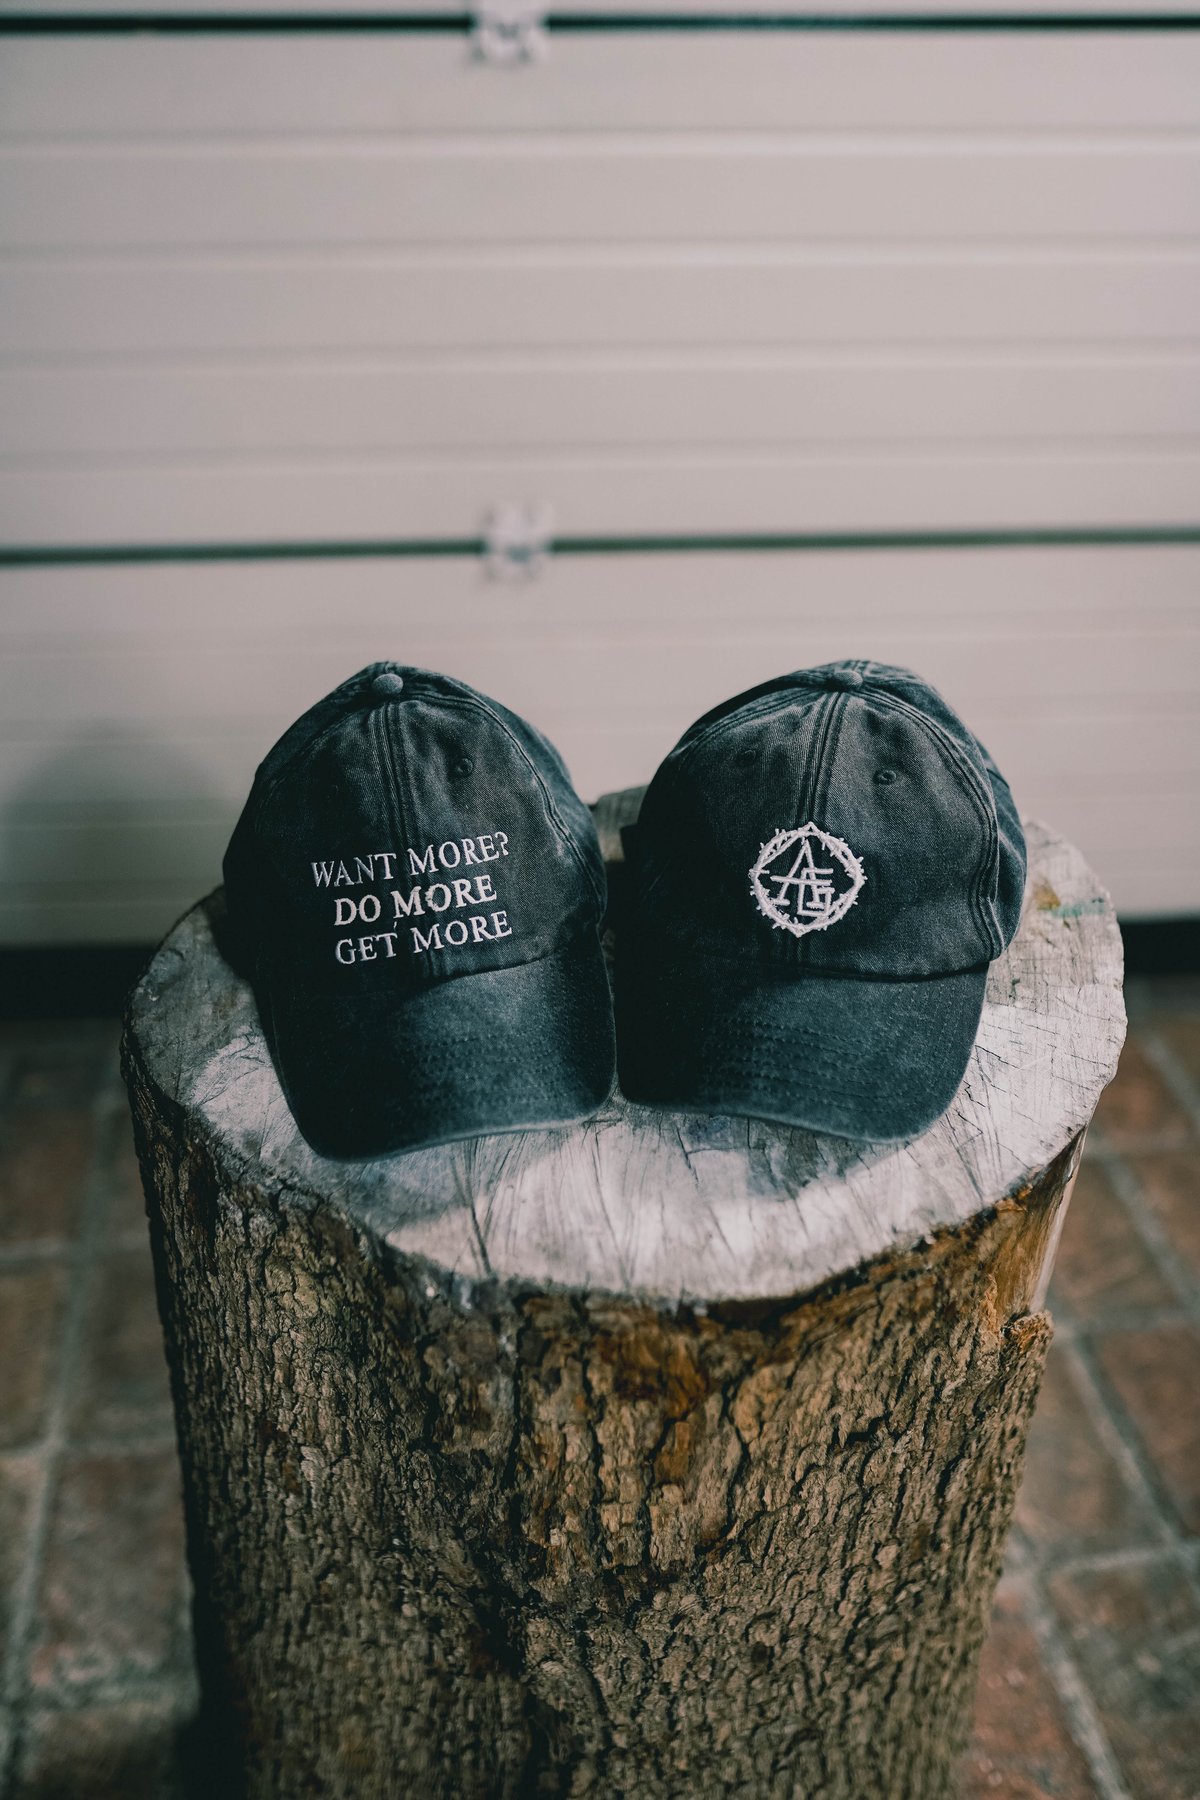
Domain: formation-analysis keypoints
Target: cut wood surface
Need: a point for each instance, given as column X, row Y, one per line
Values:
column 662, row 1458
column 670, row 1206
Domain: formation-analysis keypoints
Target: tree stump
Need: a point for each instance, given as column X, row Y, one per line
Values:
column 665, row 1456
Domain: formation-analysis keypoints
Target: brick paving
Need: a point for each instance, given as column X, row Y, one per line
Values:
column 1090, row 1686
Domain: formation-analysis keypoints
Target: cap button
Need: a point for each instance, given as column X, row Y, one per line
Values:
column 848, row 679
column 387, row 683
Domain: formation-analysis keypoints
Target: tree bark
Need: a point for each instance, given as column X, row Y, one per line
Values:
column 457, row 1530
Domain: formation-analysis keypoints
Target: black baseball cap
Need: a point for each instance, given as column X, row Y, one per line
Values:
column 416, row 891
column 820, row 873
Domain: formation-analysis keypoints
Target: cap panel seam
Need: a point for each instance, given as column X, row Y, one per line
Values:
column 809, row 798
column 347, row 697
column 266, row 785
column 463, row 700
column 678, row 759
column 260, row 798
column 740, row 706
column 973, row 787
column 478, row 704
column 939, row 732
column 753, row 712
column 380, row 726
column 823, row 779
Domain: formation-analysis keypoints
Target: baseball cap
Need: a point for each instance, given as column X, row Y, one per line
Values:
column 416, row 891
column 820, row 873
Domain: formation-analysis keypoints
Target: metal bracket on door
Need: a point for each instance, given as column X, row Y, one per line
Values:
column 517, row 539
column 505, row 32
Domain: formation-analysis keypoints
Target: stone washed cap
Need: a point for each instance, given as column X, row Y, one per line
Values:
column 820, row 873
column 416, row 891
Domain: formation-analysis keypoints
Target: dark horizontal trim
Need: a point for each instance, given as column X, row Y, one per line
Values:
column 222, row 24
column 50, row 981
column 190, row 24
column 71, row 555
column 1161, row 946
column 998, row 21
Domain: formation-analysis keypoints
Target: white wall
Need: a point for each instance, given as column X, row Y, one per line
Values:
column 344, row 289
column 138, row 701
column 350, row 286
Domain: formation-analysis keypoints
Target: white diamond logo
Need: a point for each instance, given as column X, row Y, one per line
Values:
column 806, row 880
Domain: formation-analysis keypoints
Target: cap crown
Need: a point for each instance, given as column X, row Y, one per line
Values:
column 408, row 830
column 913, row 860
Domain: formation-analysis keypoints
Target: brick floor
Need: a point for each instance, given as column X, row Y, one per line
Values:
column 1090, row 1681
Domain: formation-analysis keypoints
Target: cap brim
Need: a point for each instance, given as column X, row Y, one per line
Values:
column 503, row 1050
column 874, row 1060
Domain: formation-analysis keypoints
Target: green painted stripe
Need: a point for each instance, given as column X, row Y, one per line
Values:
column 177, row 24
column 217, row 24
column 868, row 21
column 34, row 556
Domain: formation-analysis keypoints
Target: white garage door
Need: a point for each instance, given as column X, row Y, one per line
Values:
column 293, row 311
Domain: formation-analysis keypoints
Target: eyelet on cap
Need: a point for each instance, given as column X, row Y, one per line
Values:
column 387, row 683
column 847, row 679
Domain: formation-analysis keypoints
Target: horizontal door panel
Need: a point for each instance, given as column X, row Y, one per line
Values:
column 176, row 852
column 554, row 193
column 246, row 84
column 511, row 299
column 129, row 743
column 589, row 496
column 614, row 402
column 874, row 595
column 1099, row 623
column 130, row 913
column 635, row 675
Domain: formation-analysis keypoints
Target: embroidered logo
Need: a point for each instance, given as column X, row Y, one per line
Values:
column 805, row 880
